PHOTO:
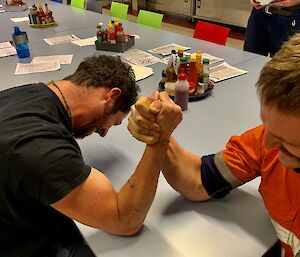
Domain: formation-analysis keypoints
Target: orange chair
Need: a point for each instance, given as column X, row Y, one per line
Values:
column 211, row 32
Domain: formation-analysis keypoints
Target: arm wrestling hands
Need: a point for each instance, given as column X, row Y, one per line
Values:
column 154, row 118
column 181, row 168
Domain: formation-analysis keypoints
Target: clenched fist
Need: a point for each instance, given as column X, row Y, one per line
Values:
column 154, row 118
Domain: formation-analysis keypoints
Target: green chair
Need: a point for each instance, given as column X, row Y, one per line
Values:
column 78, row 3
column 151, row 19
column 118, row 10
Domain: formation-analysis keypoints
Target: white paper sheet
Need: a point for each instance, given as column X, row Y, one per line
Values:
column 6, row 49
column 139, row 57
column 20, row 19
column 166, row 50
column 60, row 40
column 63, row 59
column 136, row 36
column 5, row 45
column 85, row 42
column 141, row 72
column 28, row 68
column 212, row 59
column 224, row 71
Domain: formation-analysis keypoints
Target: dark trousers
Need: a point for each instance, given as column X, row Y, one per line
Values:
column 266, row 33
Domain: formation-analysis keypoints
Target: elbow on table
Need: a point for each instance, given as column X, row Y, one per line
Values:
column 128, row 230
column 195, row 195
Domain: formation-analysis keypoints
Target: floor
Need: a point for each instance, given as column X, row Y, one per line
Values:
column 184, row 27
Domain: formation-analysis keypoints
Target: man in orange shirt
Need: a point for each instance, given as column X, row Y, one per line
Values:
column 271, row 151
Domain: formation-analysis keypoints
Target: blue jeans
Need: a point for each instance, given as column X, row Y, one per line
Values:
column 267, row 32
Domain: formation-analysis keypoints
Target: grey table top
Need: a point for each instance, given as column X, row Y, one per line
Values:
column 235, row 226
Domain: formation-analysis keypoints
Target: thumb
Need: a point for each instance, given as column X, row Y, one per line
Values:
column 155, row 107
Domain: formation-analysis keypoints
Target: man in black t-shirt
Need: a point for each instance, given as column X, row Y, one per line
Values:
column 44, row 182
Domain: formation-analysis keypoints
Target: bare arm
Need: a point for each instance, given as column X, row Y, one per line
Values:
column 181, row 168
column 182, row 171
column 97, row 204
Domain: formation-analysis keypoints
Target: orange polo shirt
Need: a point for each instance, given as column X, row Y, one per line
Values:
column 245, row 157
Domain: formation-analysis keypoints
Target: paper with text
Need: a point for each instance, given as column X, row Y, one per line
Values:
column 224, row 71
column 61, row 39
column 27, row 68
column 63, row 59
column 85, row 42
column 167, row 49
column 139, row 57
column 6, row 49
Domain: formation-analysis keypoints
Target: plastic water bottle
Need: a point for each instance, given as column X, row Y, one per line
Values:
column 182, row 91
column 21, row 44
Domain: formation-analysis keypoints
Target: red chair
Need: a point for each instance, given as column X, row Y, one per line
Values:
column 211, row 32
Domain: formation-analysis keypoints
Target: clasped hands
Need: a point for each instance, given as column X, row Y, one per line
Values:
column 154, row 118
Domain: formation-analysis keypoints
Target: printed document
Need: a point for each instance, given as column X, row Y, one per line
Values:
column 167, row 49
column 60, row 40
column 63, row 59
column 224, row 71
column 27, row 68
column 85, row 42
column 6, row 49
column 139, row 57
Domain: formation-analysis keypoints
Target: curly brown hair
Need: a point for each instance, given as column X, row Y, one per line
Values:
column 108, row 71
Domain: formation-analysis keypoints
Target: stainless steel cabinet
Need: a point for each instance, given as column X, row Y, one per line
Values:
column 181, row 7
column 233, row 12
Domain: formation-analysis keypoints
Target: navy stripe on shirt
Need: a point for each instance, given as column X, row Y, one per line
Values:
column 214, row 183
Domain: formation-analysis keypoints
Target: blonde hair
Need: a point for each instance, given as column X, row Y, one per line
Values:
column 279, row 81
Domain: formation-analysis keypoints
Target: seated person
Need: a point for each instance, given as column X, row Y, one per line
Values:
column 270, row 151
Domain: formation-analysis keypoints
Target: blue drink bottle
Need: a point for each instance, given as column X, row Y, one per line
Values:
column 21, row 44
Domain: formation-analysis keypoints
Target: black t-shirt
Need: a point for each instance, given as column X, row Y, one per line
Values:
column 40, row 163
